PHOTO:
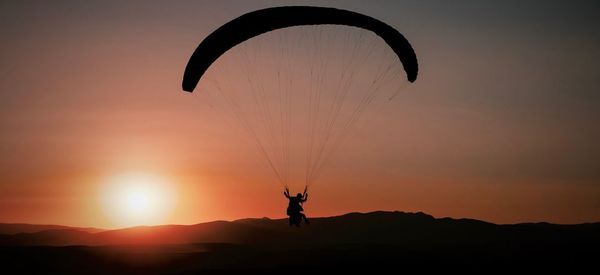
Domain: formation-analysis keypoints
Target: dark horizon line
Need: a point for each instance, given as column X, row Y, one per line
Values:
column 284, row 218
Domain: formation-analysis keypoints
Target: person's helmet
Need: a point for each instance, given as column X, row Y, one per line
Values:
column 298, row 195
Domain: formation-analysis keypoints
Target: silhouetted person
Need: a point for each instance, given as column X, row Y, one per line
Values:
column 294, row 210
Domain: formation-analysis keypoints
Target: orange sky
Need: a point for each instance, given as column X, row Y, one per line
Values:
column 493, row 129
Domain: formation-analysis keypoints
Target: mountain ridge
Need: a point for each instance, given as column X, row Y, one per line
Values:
column 14, row 228
column 378, row 227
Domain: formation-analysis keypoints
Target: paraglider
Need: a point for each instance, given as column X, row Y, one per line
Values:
column 294, row 209
column 298, row 80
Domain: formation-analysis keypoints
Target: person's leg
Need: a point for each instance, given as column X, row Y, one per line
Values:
column 297, row 219
column 305, row 219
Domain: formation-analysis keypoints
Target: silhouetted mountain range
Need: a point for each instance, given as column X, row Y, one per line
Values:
column 14, row 228
column 371, row 243
column 375, row 228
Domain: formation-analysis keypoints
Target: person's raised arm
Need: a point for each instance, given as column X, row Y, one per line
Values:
column 286, row 193
column 305, row 198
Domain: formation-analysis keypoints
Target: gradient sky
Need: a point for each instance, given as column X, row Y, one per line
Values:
column 502, row 124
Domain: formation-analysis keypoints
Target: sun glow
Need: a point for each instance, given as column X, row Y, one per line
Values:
column 137, row 199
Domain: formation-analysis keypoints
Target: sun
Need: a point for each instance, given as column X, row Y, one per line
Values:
column 137, row 199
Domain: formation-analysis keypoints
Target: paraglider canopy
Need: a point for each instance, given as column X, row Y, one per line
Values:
column 261, row 21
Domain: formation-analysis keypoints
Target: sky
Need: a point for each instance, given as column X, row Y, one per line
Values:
column 501, row 125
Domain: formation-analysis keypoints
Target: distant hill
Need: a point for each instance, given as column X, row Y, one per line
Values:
column 375, row 228
column 14, row 228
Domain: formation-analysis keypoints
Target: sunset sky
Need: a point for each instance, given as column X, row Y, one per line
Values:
column 502, row 124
